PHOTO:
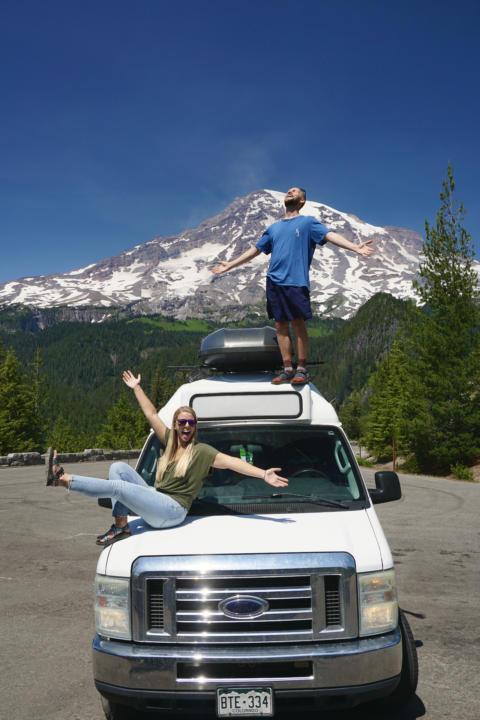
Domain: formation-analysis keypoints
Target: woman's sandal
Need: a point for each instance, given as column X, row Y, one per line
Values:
column 53, row 476
column 119, row 533
column 110, row 529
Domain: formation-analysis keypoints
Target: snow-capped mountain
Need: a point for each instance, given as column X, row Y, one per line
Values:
column 172, row 276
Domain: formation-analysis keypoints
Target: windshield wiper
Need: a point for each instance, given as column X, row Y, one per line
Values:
column 314, row 501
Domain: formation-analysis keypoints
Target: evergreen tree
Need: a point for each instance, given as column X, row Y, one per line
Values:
column 386, row 433
column 352, row 415
column 37, row 387
column 65, row 437
column 443, row 345
column 20, row 426
column 448, row 284
column 162, row 388
column 125, row 429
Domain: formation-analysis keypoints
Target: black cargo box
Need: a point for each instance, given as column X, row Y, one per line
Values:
column 241, row 349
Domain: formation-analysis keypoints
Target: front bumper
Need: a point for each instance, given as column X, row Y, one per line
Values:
column 161, row 677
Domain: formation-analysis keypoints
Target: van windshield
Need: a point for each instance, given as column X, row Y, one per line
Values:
column 317, row 461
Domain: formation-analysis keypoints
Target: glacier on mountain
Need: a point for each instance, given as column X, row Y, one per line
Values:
column 171, row 276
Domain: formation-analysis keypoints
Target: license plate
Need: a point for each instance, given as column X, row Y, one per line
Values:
column 244, row 702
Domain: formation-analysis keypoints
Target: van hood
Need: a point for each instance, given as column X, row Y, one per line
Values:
column 356, row 532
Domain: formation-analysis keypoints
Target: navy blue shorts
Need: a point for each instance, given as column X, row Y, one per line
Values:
column 287, row 302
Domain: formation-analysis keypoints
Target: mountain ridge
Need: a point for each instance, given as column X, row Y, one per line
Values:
column 171, row 275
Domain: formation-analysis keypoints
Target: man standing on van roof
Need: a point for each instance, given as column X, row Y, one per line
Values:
column 292, row 242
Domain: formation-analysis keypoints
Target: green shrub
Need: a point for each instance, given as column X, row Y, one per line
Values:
column 462, row 472
column 411, row 465
column 363, row 462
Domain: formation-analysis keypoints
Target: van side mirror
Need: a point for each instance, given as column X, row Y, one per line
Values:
column 387, row 487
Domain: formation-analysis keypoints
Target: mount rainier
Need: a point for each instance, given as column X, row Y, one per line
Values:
column 171, row 276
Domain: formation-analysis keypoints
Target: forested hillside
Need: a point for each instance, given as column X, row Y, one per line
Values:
column 82, row 362
column 350, row 355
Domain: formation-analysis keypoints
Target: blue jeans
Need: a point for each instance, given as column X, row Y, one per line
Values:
column 130, row 491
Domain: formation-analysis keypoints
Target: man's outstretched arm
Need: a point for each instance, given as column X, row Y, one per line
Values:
column 222, row 266
column 363, row 249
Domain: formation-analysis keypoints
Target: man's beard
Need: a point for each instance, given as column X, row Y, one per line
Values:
column 291, row 204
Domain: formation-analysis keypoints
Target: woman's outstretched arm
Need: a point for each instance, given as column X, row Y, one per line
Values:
column 146, row 405
column 227, row 462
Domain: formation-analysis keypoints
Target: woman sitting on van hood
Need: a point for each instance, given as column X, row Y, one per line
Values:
column 180, row 474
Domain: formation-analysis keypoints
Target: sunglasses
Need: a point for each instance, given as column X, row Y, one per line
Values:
column 183, row 422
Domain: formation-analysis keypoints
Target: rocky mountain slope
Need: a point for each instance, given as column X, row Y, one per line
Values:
column 171, row 276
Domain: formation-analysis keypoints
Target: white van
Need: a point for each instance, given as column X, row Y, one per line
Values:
column 264, row 600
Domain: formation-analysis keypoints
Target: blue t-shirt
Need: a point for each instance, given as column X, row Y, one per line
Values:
column 292, row 243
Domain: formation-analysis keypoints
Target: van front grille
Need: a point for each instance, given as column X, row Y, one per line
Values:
column 234, row 605
column 288, row 600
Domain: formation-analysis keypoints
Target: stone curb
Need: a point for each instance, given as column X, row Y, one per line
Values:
column 91, row 455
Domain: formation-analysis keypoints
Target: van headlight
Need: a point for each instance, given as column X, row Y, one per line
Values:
column 377, row 601
column 112, row 607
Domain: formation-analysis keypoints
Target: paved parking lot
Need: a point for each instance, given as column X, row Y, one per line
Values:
column 47, row 565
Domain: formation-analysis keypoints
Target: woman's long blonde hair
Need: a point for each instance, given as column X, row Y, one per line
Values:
column 172, row 445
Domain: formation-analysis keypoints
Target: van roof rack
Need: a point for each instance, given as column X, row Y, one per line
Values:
column 239, row 350
column 242, row 350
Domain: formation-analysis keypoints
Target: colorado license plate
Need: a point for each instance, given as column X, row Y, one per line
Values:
column 244, row 702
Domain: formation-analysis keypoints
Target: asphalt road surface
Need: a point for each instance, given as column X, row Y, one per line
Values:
column 47, row 565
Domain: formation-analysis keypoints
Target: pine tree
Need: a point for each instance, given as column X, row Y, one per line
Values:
column 352, row 415
column 65, row 437
column 162, row 388
column 448, row 284
column 36, row 387
column 125, row 429
column 443, row 345
column 386, row 433
column 20, row 425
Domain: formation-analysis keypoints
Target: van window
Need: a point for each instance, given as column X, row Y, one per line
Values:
column 317, row 461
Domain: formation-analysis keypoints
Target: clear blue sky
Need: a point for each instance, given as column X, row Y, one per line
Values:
column 123, row 120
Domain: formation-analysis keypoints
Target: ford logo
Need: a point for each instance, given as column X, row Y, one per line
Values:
column 243, row 607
